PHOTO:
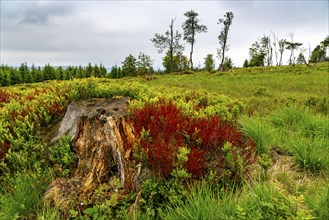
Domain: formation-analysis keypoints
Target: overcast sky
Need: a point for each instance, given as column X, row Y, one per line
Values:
column 78, row 32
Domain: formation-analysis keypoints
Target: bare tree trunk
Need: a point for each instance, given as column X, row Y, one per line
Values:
column 291, row 55
column 191, row 54
column 171, row 49
column 280, row 62
column 221, row 67
column 271, row 57
column 292, row 48
column 275, row 43
column 192, row 44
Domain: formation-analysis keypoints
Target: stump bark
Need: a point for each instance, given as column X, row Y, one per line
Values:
column 102, row 139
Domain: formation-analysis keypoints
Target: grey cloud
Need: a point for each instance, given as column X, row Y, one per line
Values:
column 42, row 13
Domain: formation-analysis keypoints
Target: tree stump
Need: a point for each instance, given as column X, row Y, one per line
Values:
column 102, row 139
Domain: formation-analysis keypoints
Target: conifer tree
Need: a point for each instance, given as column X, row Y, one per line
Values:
column 191, row 27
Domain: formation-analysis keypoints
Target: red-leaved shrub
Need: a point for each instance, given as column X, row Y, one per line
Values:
column 167, row 128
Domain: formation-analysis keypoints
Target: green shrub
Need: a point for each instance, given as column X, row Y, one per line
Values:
column 268, row 201
column 62, row 156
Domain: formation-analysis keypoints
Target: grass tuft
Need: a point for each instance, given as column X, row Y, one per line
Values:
column 202, row 203
column 311, row 154
column 259, row 131
column 23, row 198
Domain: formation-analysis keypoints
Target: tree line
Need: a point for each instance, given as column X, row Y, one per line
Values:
column 25, row 74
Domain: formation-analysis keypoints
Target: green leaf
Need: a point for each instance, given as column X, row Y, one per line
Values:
column 91, row 211
column 113, row 201
column 74, row 213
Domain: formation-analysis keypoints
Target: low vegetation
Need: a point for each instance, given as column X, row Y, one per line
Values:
column 250, row 143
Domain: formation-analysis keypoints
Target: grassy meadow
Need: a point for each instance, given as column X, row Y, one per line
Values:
column 263, row 88
column 280, row 112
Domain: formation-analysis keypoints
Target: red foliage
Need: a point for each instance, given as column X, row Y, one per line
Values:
column 196, row 164
column 4, row 148
column 169, row 128
column 163, row 121
column 6, row 96
column 38, row 92
column 55, row 109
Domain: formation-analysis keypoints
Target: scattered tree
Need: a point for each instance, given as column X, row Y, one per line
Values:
column 129, row 66
column 222, row 37
column 266, row 44
column 246, row 63
column 301, row 59
column 319, row 52
column 275, row 43
column 282, row 44
column 257, row 54
column 144, row 64
column 170, row 41
column 180, row 63
column 292, row 46
column 191, row 26
column 209, row 62
column 228, row 63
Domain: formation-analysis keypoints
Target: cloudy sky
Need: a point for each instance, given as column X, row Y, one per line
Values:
column 77, row 32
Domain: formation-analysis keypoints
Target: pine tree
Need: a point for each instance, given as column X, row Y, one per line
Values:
column 191, row 26
column 209, row 62
column 129, row 66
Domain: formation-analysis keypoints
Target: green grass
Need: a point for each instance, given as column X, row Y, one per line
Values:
column 258, row 130
column 22, row 198
column 311, row 154
column 264, row 89
column 260, row 201
column 48, row 213
column 203, row 203
column 322, row 207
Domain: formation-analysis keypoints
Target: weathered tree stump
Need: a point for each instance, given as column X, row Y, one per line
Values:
column 102, row 140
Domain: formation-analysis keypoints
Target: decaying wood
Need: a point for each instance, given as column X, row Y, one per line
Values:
column 102, row 140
